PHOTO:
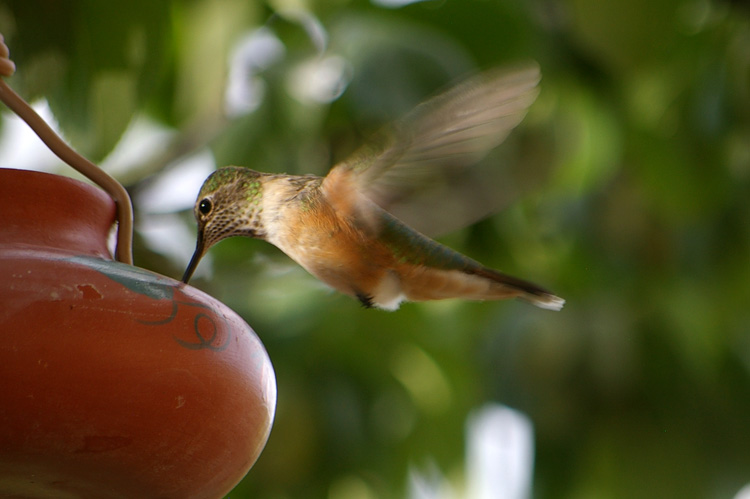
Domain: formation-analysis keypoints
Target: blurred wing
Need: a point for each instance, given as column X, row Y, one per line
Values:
column 452, row 130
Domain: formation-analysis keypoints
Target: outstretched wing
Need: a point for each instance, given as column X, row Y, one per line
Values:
column 454, row 129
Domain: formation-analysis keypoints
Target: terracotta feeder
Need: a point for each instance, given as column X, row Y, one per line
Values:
column 116, row 382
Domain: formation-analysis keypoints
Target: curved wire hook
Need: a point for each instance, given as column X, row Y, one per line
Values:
column 124, row 246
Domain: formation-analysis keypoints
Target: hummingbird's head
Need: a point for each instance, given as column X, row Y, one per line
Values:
column 228, row 204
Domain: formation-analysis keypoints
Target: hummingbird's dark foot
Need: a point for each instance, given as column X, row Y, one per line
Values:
column 365, row 300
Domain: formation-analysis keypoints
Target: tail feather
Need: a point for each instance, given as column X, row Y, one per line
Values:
column 528, row 291
column 420, row 283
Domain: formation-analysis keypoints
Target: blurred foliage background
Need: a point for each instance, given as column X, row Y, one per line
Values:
column 627, row 187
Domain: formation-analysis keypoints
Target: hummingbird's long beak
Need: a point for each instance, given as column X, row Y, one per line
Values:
column 197, row 255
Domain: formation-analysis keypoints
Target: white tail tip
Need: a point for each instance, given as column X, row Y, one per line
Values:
column 546, row 301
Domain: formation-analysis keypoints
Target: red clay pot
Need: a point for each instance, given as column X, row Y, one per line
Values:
column 116, row 382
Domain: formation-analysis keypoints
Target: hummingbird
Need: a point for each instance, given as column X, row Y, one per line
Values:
column 338, row 227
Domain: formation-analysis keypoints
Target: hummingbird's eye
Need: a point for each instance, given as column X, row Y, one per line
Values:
column 204, row 207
